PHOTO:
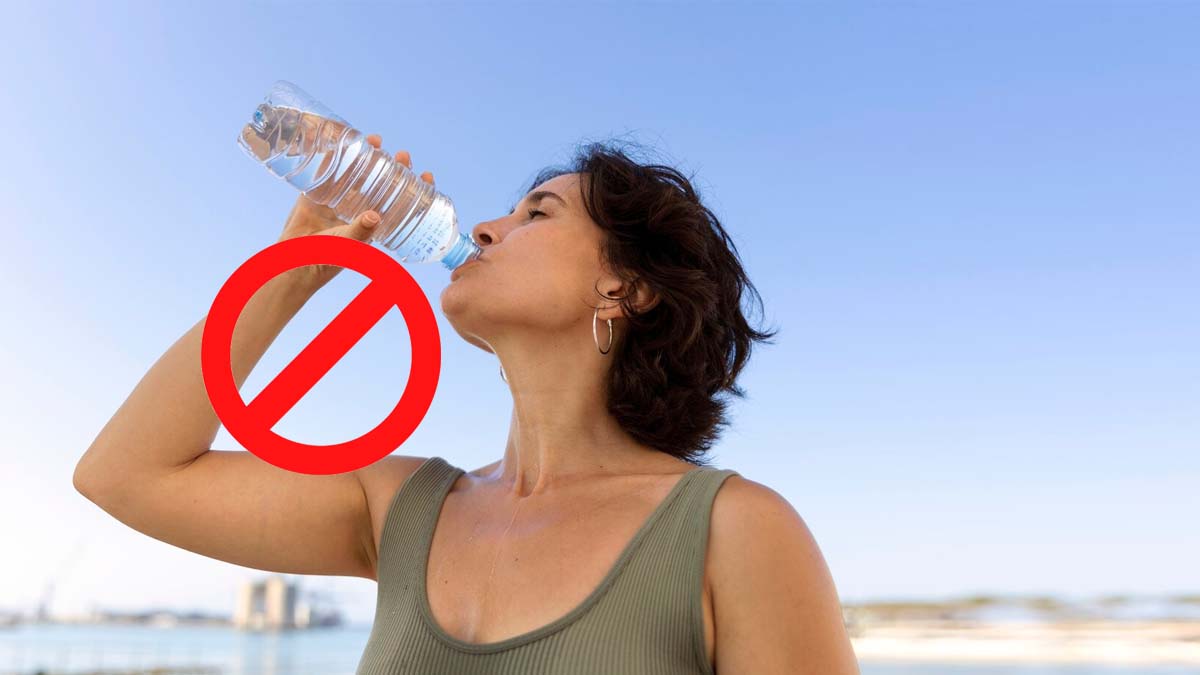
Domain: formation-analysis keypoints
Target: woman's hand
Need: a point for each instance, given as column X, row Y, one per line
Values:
column 310, row 218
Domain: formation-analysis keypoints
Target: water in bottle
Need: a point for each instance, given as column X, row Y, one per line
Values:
column 300, row 140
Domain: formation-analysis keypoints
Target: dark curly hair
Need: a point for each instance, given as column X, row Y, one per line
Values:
column 678, row 358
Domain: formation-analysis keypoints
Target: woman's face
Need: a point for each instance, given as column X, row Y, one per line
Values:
column 540, row 269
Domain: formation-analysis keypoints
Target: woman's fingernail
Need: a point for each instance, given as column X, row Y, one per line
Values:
column 371, row 218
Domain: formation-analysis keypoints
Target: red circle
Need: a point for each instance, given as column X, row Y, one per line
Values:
column 387, row 278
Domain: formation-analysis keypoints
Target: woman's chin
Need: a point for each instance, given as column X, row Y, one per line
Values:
column 460, row 308
column 453, row 300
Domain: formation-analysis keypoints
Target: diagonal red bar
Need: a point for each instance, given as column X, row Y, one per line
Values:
column 315, row 360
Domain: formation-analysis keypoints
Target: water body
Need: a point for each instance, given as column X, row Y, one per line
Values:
column 333, row 651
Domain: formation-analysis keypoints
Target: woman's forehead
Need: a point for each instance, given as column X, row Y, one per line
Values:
column 564, row 189
column 564, row 186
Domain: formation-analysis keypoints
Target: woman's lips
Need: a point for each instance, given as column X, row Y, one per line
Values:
column 458, row 270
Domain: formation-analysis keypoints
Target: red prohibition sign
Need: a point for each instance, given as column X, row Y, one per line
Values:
column 391, row 286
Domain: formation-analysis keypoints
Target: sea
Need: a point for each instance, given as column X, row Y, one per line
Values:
column 54, row 649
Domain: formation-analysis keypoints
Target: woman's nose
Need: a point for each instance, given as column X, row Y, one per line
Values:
column 485, row 234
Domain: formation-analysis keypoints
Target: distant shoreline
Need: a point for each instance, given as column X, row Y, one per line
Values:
column 1115, row 630
column 1100, row 642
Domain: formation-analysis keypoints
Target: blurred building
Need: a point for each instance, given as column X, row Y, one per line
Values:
column 269, row 604
column 275, row 604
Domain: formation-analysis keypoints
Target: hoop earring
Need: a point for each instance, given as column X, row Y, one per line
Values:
column 502, row 375
column 596, row 338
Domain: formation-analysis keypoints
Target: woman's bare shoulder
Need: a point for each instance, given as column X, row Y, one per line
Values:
column 778, row 605
column 387, row 475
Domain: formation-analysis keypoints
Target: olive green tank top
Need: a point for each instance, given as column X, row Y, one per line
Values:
column 644, row 618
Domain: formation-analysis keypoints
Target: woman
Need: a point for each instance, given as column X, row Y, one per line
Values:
column 599, row 542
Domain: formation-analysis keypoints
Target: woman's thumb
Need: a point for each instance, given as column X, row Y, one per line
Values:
column 363, row 225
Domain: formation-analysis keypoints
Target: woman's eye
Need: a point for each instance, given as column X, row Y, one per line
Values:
column 535, row 211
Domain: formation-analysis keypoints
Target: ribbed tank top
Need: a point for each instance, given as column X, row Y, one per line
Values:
column 644, row 618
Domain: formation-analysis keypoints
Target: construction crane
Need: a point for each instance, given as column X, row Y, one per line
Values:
column 42, row 614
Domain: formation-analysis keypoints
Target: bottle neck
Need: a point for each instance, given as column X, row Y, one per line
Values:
column 463, row 251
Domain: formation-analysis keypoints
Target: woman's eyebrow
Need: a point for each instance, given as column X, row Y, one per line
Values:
column 536, row 197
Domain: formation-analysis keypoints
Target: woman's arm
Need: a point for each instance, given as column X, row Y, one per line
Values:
column 152, row 469
column 168, row 422
column 774, row 602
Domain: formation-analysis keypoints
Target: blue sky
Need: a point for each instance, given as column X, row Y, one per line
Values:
column 975, row 227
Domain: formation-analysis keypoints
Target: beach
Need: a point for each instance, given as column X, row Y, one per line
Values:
column 1128, row 643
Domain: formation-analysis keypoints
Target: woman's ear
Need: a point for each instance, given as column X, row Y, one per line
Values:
column 640, row 295
column 644, row 298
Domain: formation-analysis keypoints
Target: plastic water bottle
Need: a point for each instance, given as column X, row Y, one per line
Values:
column 302, row 141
